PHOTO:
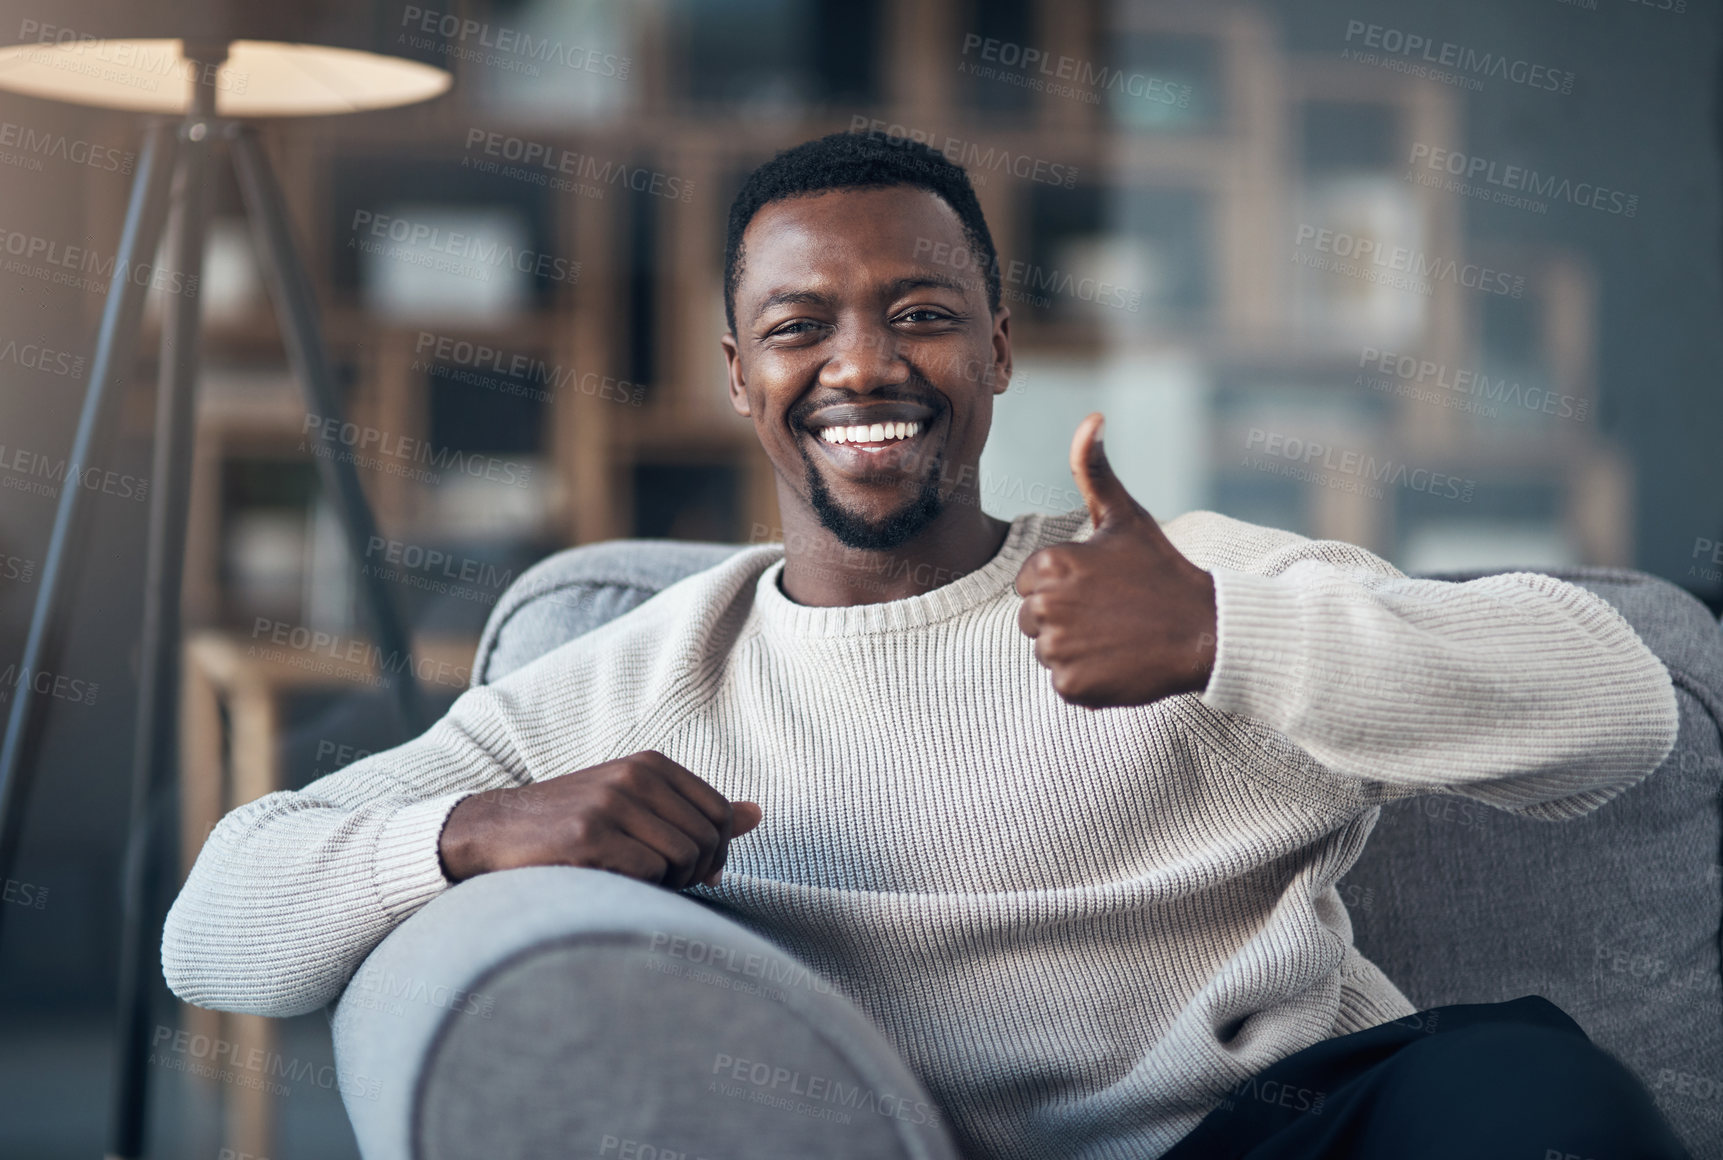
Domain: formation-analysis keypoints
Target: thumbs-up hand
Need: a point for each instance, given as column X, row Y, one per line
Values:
column 1122, row 618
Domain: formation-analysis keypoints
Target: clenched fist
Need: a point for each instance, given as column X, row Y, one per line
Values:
column 1122, row 618
column 643, row 816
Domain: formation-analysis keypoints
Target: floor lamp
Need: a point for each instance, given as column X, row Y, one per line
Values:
column 206, row 68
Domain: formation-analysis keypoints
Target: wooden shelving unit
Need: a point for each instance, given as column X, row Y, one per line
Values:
column 1240, row 163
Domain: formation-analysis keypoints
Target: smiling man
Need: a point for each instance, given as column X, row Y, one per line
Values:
column 1061, row 802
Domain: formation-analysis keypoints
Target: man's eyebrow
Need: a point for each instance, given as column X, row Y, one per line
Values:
column 939, row 281
column 793, row 298
column 897, row 288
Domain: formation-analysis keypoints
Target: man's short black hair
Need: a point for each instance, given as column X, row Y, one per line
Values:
column 858, row 161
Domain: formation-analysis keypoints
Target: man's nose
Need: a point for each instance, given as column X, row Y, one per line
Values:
column 864, row 359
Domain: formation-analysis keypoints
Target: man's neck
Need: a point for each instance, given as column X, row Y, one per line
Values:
column 822, row 572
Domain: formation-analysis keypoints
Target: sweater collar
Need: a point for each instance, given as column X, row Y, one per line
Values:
column 779, row 615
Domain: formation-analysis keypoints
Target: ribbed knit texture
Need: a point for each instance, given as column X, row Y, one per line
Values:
column 1079, row 927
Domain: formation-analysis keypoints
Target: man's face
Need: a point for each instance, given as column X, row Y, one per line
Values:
column 844, row 321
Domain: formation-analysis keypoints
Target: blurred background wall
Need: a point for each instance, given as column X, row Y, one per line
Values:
column 1441, row 279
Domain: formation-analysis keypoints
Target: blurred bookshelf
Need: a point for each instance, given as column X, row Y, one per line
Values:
column 605, row 391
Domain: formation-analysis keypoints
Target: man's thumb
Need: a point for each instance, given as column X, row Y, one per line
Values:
column 746, row 816
column 1105, row 495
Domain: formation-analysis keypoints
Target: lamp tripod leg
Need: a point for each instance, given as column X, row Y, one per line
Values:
column 155, row 737
column 291, row 290
column 110, row 367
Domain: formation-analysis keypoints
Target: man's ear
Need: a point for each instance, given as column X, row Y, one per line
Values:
column 738, row 384
column 1002, row 350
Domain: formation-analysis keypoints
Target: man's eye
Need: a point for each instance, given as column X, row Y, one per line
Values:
column 793, row 329
column 927, row 314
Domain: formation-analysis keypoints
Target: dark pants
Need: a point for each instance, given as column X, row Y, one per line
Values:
column 1514, row 1081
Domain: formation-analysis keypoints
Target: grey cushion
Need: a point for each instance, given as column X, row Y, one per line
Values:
column 573, row 591
column 550, row 1012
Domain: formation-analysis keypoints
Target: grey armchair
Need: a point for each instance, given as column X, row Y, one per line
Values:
column 558, row 1012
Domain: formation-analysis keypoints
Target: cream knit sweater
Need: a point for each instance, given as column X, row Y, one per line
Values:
column 1079, row 927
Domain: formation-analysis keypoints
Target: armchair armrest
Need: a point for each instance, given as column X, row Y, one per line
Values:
column 555, row 1011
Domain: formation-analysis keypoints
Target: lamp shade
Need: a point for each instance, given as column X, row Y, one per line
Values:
column 284, row 57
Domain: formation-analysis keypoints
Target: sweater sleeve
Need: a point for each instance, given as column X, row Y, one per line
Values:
column 1518, row 690
column 292, row 891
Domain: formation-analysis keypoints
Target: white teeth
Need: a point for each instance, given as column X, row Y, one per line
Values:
column 871, row 433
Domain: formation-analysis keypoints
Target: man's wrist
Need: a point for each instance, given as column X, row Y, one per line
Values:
column 1207, row 641
column 460, row 845
column 409, row 871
